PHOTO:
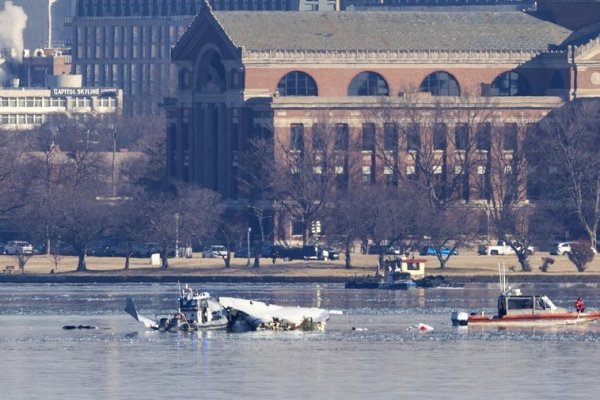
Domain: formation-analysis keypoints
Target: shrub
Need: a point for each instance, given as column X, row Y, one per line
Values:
column 581, row 254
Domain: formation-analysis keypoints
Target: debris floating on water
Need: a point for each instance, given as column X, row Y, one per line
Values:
column 69, row 327
column 421, row 327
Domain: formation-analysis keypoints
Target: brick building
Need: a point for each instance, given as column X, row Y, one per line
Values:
column 241, row 73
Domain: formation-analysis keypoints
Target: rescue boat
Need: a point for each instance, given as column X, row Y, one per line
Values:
column 516, row 309
column 519, row 310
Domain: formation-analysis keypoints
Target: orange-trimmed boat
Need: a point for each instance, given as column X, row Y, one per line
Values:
column 518, row 310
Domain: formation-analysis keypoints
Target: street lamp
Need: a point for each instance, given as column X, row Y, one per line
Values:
column 114, row 171
column 176, row 235
column 248, row 244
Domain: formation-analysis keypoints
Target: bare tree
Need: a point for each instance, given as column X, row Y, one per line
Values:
column 257, row 186
column 509, row 211
column 311, row 167
column 430, row 145
column 12, row 148
column 186, row 213
column 564, row 151
column 80, row 218
column 232, row 230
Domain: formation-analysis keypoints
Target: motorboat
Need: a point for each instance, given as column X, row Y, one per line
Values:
column 245, row 315
column 524, row 310
column 196, row 311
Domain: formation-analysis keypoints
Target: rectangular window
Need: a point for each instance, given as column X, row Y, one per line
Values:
column 297, row 227
column 510, row 137
column 318, row 136
column 439, row 136
column 341, row 137
column 297, row 137
column 461, row 137
column 484, row 136
column 390, row 137
column 413, row 140
column 368, row 137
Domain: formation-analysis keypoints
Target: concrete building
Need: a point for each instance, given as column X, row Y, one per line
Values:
column 237, row 78
column 22, row 109
column 127, row 43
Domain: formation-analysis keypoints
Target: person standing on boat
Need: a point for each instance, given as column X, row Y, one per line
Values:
column 579, row 305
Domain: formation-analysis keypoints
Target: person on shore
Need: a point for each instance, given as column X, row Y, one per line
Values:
column 274, row 256
column 579, row 305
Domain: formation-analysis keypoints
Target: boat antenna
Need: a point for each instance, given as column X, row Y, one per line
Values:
column 502, row 277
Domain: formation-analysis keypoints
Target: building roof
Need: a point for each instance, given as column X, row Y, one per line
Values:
column 395, row 30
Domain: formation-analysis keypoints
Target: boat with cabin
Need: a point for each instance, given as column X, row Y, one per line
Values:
column 197, row 311
column 525, row 310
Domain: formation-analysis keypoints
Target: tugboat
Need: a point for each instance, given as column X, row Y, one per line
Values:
column 197, row 311
column 519, row 310
column 398, row 273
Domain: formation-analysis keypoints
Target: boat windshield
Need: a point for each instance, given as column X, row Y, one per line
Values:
column 520, row 303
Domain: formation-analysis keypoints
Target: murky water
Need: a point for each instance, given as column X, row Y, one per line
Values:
column 384, row 359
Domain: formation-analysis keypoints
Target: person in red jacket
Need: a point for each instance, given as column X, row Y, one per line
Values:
column 579, row 305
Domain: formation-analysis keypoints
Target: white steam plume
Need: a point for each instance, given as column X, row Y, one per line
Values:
column 13, row 21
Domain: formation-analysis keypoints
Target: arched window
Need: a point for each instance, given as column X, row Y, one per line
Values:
column 368, row 84
column 297, row 83
column 440, row 84
column 509, row 84
column 211, row 73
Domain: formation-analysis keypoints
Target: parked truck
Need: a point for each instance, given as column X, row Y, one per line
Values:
column 499, row 249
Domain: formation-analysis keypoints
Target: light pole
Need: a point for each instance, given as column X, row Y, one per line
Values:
column 177, row 235
column 248, row 244
column 114, row 171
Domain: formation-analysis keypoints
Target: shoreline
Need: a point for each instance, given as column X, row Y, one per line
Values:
column 103, row 277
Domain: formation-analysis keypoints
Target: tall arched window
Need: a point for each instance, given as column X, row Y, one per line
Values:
column 509, row 83
column 368, row 84
column 210, row 73
column 440, row 84
column 297, row 83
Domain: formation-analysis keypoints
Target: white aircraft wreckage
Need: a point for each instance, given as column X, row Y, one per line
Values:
column 257, row 315
column 200, row 311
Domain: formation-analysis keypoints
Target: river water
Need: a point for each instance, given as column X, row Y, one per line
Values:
column 383, row 358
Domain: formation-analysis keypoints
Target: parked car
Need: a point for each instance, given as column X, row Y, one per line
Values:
column 432, row 251
column 215, row 251
column 563, row 248
column 332, row 254
column 391, row 250
column 15, row 247
column 500, row 249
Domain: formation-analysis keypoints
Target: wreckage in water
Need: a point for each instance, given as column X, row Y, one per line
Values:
column 200, row 311
column 197, row 311
column 256, row 315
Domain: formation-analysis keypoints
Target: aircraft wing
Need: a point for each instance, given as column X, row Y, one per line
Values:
column 130, row 309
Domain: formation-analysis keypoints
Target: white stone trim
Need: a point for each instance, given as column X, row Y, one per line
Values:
column 390, row 56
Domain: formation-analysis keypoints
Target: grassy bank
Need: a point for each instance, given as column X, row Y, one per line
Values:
column 465, row 266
